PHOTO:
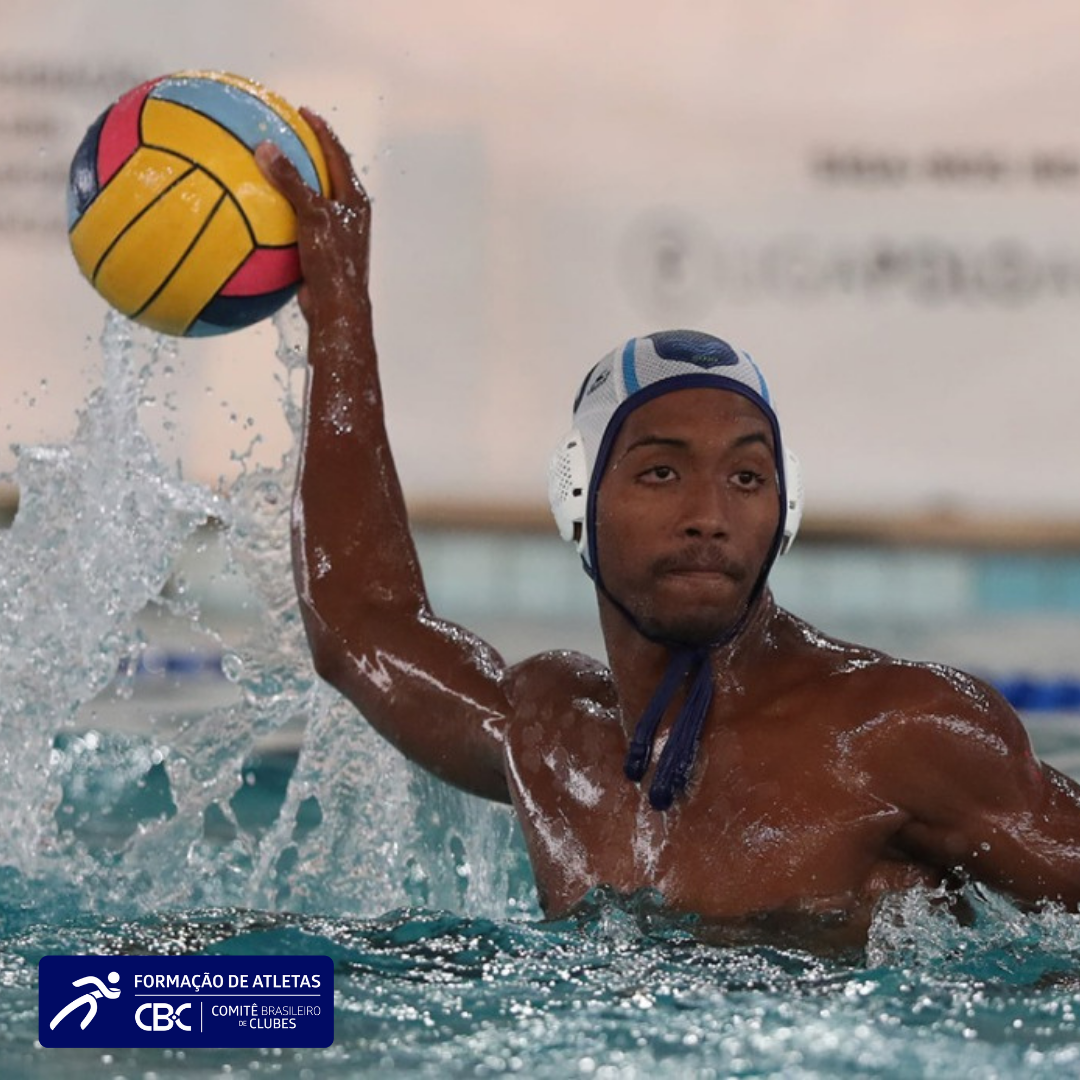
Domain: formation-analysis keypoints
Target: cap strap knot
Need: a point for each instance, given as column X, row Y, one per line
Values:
column 677, row 760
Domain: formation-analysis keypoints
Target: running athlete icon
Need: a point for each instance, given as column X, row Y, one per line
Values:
column 88, row 999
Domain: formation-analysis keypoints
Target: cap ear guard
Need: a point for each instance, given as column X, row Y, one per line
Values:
column 568, row 486
column 793, row 486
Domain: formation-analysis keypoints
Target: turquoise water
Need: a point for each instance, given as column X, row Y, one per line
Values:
column 257, row 814
column 614, row 993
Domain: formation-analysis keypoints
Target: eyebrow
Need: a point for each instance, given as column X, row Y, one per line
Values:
column 664, row 440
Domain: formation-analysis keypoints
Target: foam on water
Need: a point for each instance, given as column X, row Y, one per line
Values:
column 615, row 992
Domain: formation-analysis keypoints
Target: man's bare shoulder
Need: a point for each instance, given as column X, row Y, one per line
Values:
column 880, row 676
column 909, row 709
column 560, row 679
column 563, row 729
column 558, row 690
column 879, row 692
column 930, row 711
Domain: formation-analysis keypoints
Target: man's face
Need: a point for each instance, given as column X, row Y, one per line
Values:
column 686, row 512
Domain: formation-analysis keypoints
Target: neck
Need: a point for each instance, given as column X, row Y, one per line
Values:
column 638, row 664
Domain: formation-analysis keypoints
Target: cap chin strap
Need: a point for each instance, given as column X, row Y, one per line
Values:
column 686, row 664
column 677, row 758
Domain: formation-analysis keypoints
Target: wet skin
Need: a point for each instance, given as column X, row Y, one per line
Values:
column 828, row 774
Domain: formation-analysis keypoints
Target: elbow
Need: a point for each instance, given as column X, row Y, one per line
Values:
column 346, row 658
column 324, row 645
column 326, row 662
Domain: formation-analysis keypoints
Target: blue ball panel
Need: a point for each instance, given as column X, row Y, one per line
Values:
column 83, row 178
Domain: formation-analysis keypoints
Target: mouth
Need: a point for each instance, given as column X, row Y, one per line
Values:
column 697, row 572
column 706, row 566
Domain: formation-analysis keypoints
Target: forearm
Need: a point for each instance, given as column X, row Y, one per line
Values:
column 352, row 546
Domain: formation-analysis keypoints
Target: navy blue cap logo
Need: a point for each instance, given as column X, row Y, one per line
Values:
column 693, row 347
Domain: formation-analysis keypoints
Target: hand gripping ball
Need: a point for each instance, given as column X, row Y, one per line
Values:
column 169, row 217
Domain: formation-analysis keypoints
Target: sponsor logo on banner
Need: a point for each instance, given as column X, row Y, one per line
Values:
column 182, row 1001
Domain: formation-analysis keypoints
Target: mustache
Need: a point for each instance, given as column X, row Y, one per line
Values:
column 708, row 558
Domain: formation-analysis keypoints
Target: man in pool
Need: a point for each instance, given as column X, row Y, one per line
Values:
column 772, row 781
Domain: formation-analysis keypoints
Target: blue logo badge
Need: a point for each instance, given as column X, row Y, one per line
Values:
column 181, row 1001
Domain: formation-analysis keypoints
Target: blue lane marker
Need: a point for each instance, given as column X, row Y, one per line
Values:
column 1029, row 694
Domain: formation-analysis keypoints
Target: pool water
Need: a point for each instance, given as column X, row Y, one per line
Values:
column 612, row 993
column 252, row 812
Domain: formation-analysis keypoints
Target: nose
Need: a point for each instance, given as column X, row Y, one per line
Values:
column 704, row 510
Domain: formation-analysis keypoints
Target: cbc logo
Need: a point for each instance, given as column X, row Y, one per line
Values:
column 162, row 1016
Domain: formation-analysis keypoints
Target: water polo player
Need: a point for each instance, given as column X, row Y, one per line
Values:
column 766, row 778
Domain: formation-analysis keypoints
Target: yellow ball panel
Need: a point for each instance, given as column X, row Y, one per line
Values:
column 143, row 258
column 290, row 115
column 217, row 254
column 181, row 130
column 144, row 176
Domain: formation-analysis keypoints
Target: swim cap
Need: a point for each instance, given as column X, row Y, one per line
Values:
column 629, row 376
column 641, row 370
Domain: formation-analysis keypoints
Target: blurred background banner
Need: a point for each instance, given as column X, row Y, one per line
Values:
column 879, row 202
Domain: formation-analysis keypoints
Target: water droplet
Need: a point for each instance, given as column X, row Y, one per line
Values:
column 232, row 666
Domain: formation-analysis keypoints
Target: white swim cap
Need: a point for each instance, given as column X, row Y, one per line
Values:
column 629, row 376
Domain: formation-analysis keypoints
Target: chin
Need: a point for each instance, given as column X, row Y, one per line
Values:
column 687, row 629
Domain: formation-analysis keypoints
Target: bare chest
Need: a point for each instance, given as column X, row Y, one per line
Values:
column 770, row 823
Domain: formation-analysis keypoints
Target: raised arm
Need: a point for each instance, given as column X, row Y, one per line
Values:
column 434, row 690
column 962, row 766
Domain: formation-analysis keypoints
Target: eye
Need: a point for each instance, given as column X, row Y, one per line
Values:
column 658, row 474
column 749, row 479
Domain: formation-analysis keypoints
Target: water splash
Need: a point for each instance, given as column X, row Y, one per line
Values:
column 975, row 931
column 101, row 525
column 100, row 522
